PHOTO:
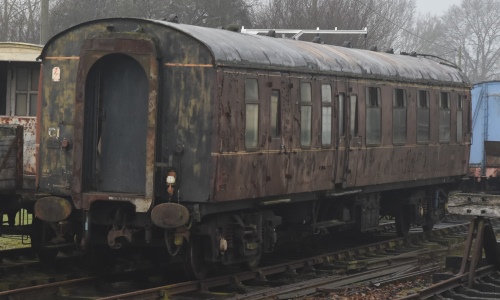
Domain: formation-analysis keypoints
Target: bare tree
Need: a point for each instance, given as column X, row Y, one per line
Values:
column 474, row 28
column 216, row 13
column 384, row 19
column 425, row 36
column 19, row 20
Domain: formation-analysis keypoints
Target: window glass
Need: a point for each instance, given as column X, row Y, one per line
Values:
column 423, row 116
column 252, row 113
column 460, row 133
column 326, row 93
column 305, row 114
column 342, row 113
column 26, row 89
column 251, row 125
column 251, row 90
column 305, row 92
column 21, row 105
column 275, row 113
column 354, row 115
column 326, row 114
column 373, row 114
column 22, row 79
column 444, row 117
column 468, row 119
column 33, row 103
column 35, row 74
column 399, row 117
column 326, row 125
column 305, row 132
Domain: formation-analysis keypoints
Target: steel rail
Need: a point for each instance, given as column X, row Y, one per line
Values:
column 205, row 285
column 450, row 283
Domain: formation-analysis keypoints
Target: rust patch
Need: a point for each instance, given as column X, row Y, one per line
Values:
column 52, row 209
column 29, row 149
column 169, row 215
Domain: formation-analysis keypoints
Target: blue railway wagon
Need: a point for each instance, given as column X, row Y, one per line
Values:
column 485, row 149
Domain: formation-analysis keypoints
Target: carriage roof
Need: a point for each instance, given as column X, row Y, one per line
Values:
column 255, row 51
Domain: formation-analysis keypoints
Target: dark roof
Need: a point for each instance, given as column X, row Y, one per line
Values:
column 232, row 48
column 236, row 49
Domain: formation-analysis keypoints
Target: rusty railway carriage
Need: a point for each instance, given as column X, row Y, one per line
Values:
column 208, row 142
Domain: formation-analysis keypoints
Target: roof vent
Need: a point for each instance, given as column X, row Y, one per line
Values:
column 173, row 18
column 373, row 48
column 389, row 50
column 233, row 27
column 317, row 39
column 347, row 44
column 271, row 33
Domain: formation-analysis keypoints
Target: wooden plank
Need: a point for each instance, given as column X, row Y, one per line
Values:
column 11, row 156
column 471, row 204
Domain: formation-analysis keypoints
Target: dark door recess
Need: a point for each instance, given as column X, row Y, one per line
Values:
column 116, row 112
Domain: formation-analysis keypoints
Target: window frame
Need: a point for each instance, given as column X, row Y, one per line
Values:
column 444, row 108
column 252, row 102
column 427, row 109
column 373, row 106
column 326, row 103
column 30, row 93
column 460, row 116
column 342, row 112
column 276, row 134
column 309, row 106
column 399, row 107
column 353, row 115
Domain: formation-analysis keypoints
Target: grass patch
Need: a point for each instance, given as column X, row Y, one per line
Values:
column 16, row 241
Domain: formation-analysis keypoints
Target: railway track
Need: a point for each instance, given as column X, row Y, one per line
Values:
column 420, row 253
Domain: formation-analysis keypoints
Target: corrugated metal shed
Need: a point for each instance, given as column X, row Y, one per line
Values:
column 11, row 51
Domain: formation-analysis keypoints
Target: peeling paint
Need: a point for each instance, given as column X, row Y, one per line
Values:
column 29, row 150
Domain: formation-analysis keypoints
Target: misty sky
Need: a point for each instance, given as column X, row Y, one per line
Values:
column 436, row 7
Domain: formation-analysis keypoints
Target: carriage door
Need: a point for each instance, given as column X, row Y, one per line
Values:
column 342, row 134
column 354, row 139
column 116, row 111
column 276, row 98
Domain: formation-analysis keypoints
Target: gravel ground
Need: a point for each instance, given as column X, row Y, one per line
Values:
column 385, row 292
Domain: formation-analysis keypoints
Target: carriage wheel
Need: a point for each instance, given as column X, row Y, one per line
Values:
column 195, row 266
column 403, row 222
column 253, row 262
column 428, row 227
column 41, row 234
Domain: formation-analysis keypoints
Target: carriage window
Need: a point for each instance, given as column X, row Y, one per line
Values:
column 305, row 114
column 460, row 133
column 444, row 117
column 399, row 116
column 354, row 115
column 26, row 91
column 423, row 116
column 252, row 113
column 326, row 114
column 342, row 113
column 275, row 114
column 373, row 115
